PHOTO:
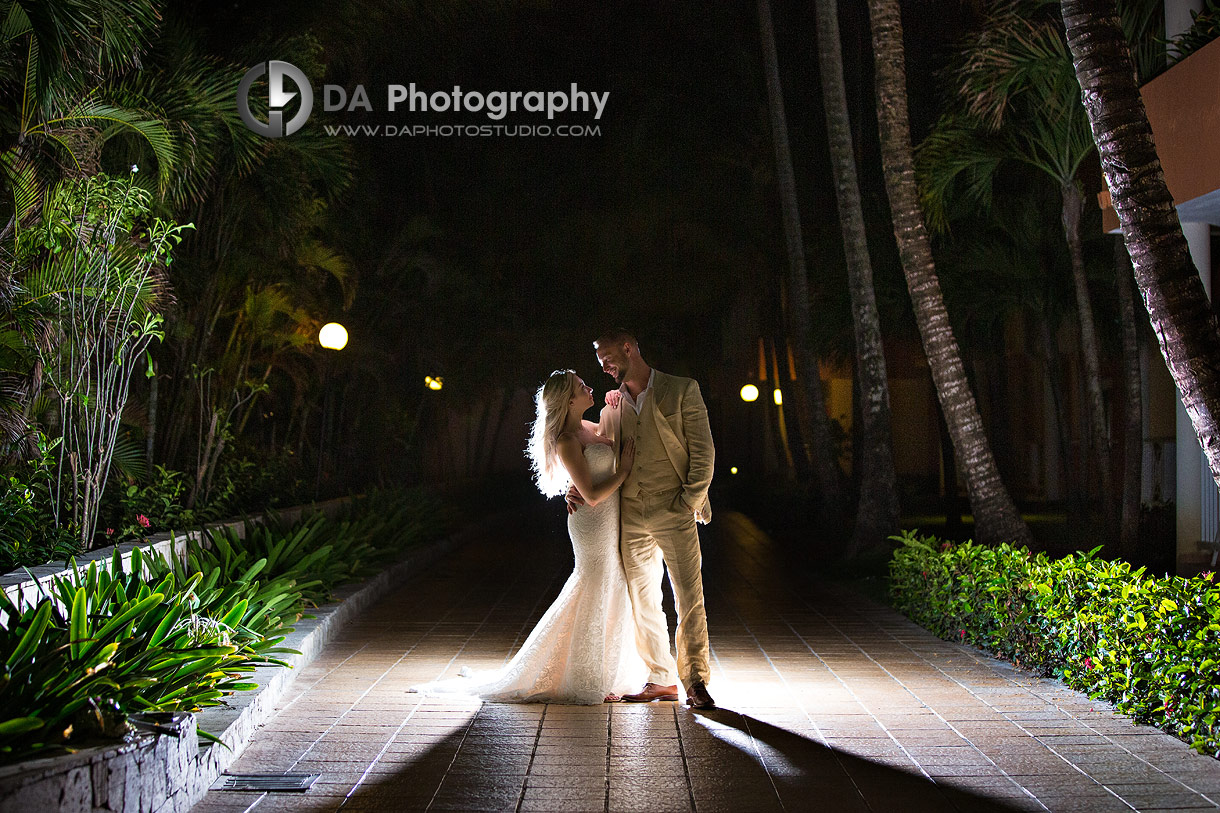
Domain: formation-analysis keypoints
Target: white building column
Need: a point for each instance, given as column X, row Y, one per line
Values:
column 1177, row 16
column 1196, row 490
column 1191, row 465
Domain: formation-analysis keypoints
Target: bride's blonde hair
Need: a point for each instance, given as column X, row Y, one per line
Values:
column 553, row 401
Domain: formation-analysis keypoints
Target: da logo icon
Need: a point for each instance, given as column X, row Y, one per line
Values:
column 277, row 99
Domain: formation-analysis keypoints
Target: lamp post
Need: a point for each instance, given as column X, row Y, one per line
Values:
column 332, row 337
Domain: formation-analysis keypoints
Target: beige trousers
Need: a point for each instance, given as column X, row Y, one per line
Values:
column 658, row 529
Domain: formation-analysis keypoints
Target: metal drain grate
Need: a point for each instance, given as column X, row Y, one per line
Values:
column 266, row 782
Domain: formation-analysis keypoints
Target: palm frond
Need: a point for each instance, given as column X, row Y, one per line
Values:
column 93, row 110
column 956, row 163
column 16, row 23
column 129, row 460
column 21, row 177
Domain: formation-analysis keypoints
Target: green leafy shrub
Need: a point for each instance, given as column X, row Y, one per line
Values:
column 1150, row 645
column 29, row 534
column 167, row 635
column 160, row 501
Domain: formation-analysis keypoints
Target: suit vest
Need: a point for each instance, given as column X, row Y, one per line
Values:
column 652, row 472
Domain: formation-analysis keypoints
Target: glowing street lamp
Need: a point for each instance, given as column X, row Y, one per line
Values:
column 333, row 336
column 749, row 393
column 778, row 396
column 434, row 383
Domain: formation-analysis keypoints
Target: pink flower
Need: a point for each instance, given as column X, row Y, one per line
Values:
column 143, row 520
column 1088, row 663
column 110, row 532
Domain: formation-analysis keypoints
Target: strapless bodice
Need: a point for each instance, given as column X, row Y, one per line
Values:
column 601, row 463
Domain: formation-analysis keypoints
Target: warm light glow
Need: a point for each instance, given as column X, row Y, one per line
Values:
column 779, row 397
column 433, row 383
column 749, row 393
column 333, row 336
column 733, row 470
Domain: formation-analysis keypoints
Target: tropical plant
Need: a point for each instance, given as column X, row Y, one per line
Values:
column 1185, row 325
column 1018, row 101
column 112, row 641
column 995, row 514
column 90, row 288
column 28, row 533
column 179, row 634
column 58, row 57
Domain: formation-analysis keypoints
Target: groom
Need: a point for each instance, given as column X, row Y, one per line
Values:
column 663, row 497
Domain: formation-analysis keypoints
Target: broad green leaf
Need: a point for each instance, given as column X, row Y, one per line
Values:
column 33, row 634
column 79, row 624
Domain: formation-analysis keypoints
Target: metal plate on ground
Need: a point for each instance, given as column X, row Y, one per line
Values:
column 266, row 782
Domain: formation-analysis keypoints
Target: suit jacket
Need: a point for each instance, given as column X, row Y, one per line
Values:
column 682, row 423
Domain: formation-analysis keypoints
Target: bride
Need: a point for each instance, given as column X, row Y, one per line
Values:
column 583, row 648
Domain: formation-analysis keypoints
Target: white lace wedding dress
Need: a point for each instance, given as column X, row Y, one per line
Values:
column 584, row 646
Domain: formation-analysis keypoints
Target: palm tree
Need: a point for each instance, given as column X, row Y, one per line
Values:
column 58, row 58
column 877, row 511
column 814, row 420
column 1019, row 101
column 996, row 516
column 1181, row 316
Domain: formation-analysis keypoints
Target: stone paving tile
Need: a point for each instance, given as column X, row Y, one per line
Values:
column 827, row 700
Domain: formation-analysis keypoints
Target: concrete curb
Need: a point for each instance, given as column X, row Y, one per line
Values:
column 164, row 773
column 23, row 590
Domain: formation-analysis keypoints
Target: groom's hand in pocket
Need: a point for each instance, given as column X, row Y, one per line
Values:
column 573, row 499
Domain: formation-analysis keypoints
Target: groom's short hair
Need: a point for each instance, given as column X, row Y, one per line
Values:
column 616, row 335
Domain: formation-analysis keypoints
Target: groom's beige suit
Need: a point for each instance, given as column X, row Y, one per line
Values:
column 663, row 496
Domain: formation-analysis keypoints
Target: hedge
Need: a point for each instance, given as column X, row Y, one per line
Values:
column 1149, row 645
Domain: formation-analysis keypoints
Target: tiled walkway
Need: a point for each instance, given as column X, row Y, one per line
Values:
column 828, row 702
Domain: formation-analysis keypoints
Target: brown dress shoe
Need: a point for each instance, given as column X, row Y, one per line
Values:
column 651, row 692
column 698, row 698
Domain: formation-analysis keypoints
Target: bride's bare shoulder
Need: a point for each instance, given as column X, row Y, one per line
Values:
column 591, row 426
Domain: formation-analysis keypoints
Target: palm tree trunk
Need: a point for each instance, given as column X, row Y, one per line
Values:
column 995, row 514
column 877, row 510
column 1169, row 283
column 1133, row 432
column 1099, row 436
column 813, row 405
